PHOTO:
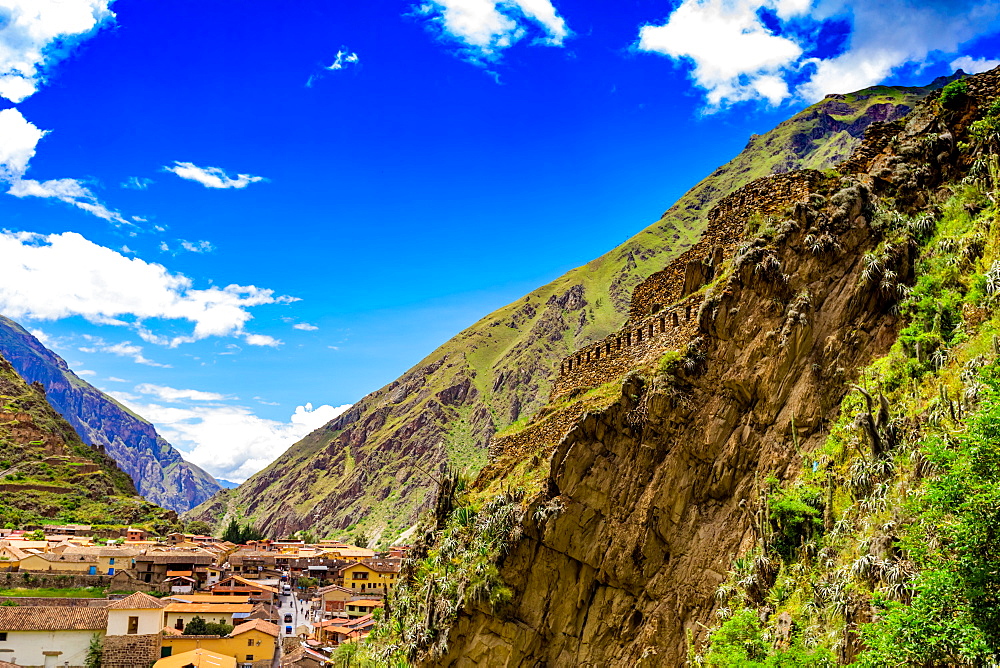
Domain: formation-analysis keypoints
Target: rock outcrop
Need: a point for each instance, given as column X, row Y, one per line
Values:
column 159, row 472
column 655, row 495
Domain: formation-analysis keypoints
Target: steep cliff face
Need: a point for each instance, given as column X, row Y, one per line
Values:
column 48, row 474
column 648, row 501
column 368, row 467
column 158, row 470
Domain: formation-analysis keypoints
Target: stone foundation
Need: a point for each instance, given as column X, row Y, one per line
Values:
column 131, row 651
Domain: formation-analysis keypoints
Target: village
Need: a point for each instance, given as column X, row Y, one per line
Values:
column 81, row 596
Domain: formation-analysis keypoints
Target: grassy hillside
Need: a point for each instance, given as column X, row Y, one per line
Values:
column 48, row 475
column 156, row 468
column 371, row 469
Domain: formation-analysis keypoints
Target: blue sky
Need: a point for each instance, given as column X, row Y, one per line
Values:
column 370, row 178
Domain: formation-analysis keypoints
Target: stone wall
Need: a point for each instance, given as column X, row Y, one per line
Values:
column 131, row 651
column 54, row 601
column 663, row 314
column 768, row 196
column 637, row 344
column 47, row 579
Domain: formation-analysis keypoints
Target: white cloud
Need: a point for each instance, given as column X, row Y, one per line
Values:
column 263, row 340
column 211, row 177
column 734, row 56
column 343, row 59
column 305, row 327
column 485, row 28
column 36, row 33
column 974, row 65
column 85, row 372
column 69, row 191
column 197, row 246
column 165, row 393
column 136, row 183
column 110, row 288
column 893, row 33
column 123, row 349
column 18, row 139
column 44, row 338
column 115, row 379
column 230, row 442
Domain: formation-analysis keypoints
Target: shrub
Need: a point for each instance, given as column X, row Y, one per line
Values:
column 954, row 94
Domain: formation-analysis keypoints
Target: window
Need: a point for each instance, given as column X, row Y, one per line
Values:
column 111, row 561
column 133, row 625
column 249, row 657
column 3, row 636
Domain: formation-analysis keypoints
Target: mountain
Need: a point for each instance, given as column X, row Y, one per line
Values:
column 48, row 475
column 159, row 472
column 371, row 469
column 794, row 460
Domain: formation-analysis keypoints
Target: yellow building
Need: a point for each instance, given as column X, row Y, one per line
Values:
column 199, row 658
column 373, row 576
column 110, row 560
column 180, row 614
column 10, row 557
column 251, row 643
column 61, row 563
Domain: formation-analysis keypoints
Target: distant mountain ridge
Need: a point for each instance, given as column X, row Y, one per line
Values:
column 367, row 469
column 159, row 472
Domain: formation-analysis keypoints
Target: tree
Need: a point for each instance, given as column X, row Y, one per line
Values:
column 232, row 532
column 217, row 629
column 200, row 528
column 95, row 652
column 196, row 627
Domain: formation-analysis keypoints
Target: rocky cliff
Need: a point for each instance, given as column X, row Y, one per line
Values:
column 159, row 472
column 618, row 561
column 368, row 468
column 47, row 474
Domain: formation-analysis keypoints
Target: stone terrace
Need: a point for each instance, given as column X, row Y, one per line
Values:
column 663, row 315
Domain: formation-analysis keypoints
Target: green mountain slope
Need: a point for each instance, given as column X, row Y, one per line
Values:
column 48, row 475
column 159, row 472
column 370, row 467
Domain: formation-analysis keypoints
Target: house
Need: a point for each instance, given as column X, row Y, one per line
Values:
column 10, row 556
column 198, row 658
column 180, row 584
column 332, row 599
column 154, row 564
column 39, row 635
column 240, row 586
column 180, row 614
column 374, row 575
column 251, row 644
column 362, row 607
column 80, row 564
column 337, row 631
column 135, row 534
column 136, row 614
column 109, row 559
column 303, row 657
column 206, row 598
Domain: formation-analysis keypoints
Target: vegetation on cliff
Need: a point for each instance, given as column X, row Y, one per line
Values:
column 884, row 550
column 48, row 475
